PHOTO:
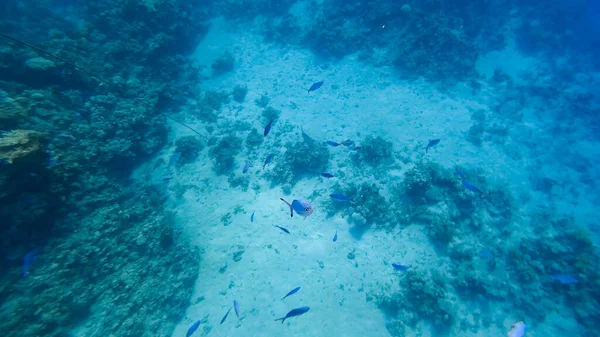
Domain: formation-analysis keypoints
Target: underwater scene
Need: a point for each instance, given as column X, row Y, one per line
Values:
column 386, row 168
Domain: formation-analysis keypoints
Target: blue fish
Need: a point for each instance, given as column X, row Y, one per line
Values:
column 293, row 313
column 339, row 197
column 356, row 148
column 192, row 329
column 236, row 307
column 246, row 167
column 283, row 229
column 327, row 175
column 307, row 139
column 335, row 237
column 166, row 179
column 400, row 267
column 268, row 128
column 470, row 187
column 225, row 317
column 268, row 160
column 334, row 144
column 315, row 86
column 486, row 254
column 432, row 143
column 564, row 279
column 28, row 261
column 301, row 207
column 460, row 174
column 252, row 217
column 348, row 143
column 174, row 158
column 292, row 292
column 51, row 162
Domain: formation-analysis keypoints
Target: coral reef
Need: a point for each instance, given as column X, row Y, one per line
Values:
column 423, row 297
column 18, row 144
column 298, row 161
column 263, row 101
column 223, row 153
column 270, row 113
column 239, row 93
column 365, row 207
column 254, row 139
column 189, row 147
column 375, row 151
column 223, row 64
column 111, row 272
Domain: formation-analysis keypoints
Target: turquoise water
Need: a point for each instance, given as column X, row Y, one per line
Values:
column 439, row 157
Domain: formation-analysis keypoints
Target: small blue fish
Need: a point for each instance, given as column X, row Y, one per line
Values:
column 166, row 179
column 268, row 160
column 564, row 279
column 518, row 330
column 327, row 175
column 28, row 261
column 65, row 136
column 486, row 254
column 460, row 174
column 51, row 162
column 268, row 128
column 246, row 167
column 348, row 143
column 356, row 148
column 283, row 229
column 236, row 307
column 315, row 86
column 302, row 207
column 400, row 267
column 174, row 158
column 335, row 237
column 294, row 313
column 334, row 144
column 307, row 139
column 339, row 197
column 192, row 329
column 431, row 144
column 252, row 217
column 470, row 187
column 292, row 292
column 225, row 317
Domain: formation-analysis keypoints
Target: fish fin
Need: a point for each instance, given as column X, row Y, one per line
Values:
column 291, row 209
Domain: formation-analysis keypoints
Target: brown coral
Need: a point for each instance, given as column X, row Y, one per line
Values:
column 18, row 144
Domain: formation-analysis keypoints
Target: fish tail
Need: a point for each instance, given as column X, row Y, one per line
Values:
column 281, row 319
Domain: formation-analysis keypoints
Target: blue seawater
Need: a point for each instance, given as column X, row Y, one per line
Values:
column 126, row 128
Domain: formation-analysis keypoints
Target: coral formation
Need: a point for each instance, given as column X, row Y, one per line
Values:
column 270, row 113
column 298, row 161
column 189, row 147
column 375, row 151
column 18, row 144
column 223, row 64
column 239, row 93
column 223, row 153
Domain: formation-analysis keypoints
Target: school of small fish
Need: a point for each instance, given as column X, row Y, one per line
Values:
column 304, row 209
